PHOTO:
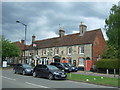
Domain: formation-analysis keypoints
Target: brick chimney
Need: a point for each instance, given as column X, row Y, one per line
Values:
column 61, row 32
column 82, row 28
column 23, row 42
column 33, row 38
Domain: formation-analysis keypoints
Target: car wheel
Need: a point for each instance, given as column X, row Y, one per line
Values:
column 50, row 76
column 34, row 74
column 14, row 71
column 23, row 72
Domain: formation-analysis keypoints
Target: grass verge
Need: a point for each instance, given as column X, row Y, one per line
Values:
column 94, row 79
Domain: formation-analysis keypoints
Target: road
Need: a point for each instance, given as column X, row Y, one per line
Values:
column 10, row 80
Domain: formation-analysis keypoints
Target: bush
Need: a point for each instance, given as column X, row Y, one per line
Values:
column 108, row 64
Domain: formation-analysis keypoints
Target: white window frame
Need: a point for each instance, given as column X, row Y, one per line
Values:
column 44, row 50
column 80, row 62
column 69, row 50
column 80, row 47
column 56, row 51
column 26, row 53
column 37, row 53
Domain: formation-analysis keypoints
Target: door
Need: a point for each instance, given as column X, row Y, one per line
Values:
column 17, row 68
column 88, row 65
column 44, row 61
column 74, row 62
column 45, row 71
column 20, row 68
column 59, row 66
column 38, row 70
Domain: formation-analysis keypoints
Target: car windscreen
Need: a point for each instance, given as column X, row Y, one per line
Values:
column 65, row 65
column 27, row 66
column 62, row 64
column 50, row 67
column 68, row 64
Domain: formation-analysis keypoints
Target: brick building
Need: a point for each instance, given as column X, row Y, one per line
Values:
column 22, row 46
column 82, row 49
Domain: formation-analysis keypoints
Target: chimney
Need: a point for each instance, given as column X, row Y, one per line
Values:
column 61, row 32
column 82, row 28
column 23, row 42
column 33, row 38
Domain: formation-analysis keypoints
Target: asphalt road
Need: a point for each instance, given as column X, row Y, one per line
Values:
column 10, row 80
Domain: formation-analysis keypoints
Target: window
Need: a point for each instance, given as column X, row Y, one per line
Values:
column 81, row 49
column 69, row 51
column 44, row 52
column 39, row 66
column 44, row 67
column 56, row 51
column 69, row 60
column 62, row 52
column 37, row 52
column 81, row 62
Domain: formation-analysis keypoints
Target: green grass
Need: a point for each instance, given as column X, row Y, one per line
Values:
column 105, row 81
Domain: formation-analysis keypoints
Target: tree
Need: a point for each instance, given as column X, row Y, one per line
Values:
column 9, row 49
column 112, row 28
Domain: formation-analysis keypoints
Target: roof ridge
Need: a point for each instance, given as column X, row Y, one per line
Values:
column 46, row 39
column 65, row 35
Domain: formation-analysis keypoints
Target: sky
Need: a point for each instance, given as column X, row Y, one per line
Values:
column 43, row 18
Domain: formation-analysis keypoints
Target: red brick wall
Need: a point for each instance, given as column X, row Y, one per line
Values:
column 99, row 46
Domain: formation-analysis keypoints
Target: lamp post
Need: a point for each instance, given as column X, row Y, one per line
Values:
column 25, row 37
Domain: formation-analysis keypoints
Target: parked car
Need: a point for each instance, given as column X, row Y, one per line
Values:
column 23, row 69
column 72, row 67
column 48, row 71
column 61, row 66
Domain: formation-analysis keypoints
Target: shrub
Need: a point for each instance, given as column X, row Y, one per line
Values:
column 108, row 64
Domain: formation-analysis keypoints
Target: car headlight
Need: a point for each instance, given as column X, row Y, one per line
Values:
column 73, row 67
column 66, row 68
column 56, row 73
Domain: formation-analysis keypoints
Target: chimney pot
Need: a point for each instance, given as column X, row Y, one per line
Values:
column 33, row 38
column 23, row 41
column 61, row 32
column 82, row 28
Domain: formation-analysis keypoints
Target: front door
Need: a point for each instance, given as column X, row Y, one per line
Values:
column 88, row 65
column 44, row 61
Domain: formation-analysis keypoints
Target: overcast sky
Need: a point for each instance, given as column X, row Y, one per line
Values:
column 43, row 18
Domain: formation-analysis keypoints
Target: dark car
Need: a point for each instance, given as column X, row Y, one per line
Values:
column 23, row 69
column 48, row 71
column 61, row 66
column 71, row 67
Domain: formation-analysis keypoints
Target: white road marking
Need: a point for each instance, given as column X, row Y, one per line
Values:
column 8, row 78
column 37, row 85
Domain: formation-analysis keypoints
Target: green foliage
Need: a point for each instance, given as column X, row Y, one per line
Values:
column 111, row 52
column 9, row 49
column 108, row 64
column 112, row 28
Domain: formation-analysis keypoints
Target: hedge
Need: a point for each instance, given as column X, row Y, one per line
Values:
column 108, row 64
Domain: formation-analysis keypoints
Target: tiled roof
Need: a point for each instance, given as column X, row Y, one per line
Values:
column 68, row 40
column 20, row 45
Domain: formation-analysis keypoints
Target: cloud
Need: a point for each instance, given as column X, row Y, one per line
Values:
column 43, row 18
